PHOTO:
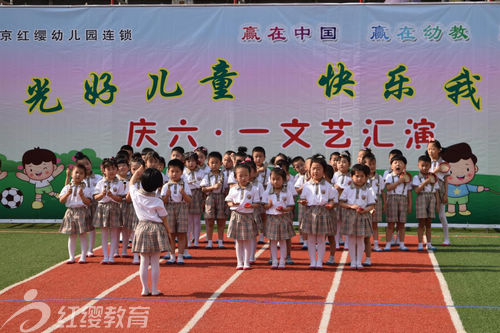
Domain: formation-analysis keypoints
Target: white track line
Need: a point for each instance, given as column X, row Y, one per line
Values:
column 455, row 318
column 201, row 312
column 327, row 311
column 37, row 275
column 60, row 323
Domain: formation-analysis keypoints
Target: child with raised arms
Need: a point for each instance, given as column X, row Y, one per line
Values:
column 319, row 197
column 426, row 186
column 299, row 165
column 377, row 184
column 257, row 209
column 109, row 193
column 151, row 234
column 135, row 163
column 77, row 198
column 126, row 206
column 341, row 179
column 242, row 199
column 398, row 206
column 289, row 186
column 358, row 200
column 176, row 195
column 91, row 181
column 279, row 202
column 214, row 185
column 193, row 175
column 259, row 158
column 434, row 150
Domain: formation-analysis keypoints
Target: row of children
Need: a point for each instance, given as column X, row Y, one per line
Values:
column 333, row 201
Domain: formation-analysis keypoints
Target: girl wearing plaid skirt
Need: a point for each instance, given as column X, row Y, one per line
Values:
column 279, row 202
column 358, row 200
column 377, row 184
column 193, row 177
column 127, row 209
column 319, row 197
column 135, row 163
column 90, row 181
column 399, row 202
column 76, row 196
column 434, row 150
column 341, row 179
column 109, row 192
column 242, row 199
column 151, row 234
column 426, row 186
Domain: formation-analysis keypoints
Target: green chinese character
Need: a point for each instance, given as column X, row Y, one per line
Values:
column 99, row 88
column 458, row 32
column 38, row 96
column 151, row 92
column 221, row 81
column 338, row 81
column 395, row 86
column 433, row 34
column 462, row 86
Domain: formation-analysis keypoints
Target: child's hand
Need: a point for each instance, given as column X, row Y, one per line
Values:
column 181, row 191
column 270, row 203
column 329, row 206
column 360, row 210
column 303, row 202
column 168, row 193
column 70, row 190
column 68, row 171
column 355, row 207
column 217, row 186
column 80, row 193
column 248, row 205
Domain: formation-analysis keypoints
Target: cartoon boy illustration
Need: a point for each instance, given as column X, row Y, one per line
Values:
column 40, row 168
column 462, row 170
column 3, row 174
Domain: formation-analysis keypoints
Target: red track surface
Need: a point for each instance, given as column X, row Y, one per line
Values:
column 395, row 278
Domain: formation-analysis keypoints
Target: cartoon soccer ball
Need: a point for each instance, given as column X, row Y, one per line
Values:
column 12, row 198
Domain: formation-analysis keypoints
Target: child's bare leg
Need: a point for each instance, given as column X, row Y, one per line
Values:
column 401, row 233
column 181, row 240
column 221, row 224
column 210, row 231
column 288, row 248
column 420, row 231
column 388, row 235
column 368, row 247
column 428, row 231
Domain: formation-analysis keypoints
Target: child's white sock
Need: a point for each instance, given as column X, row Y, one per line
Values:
column 143, row 272
column 155, row 271
column 248, row 252
column 240, row 253
column 125, row 237
column 252, row 248
column 210, row 243
column 360, row 249
column 282, row 253
column 72, row 247
column 220, row 242
column 104, row 240
column 352, row 251
column 136, row 257
column 312, row 250
column 91, row 246
column 274, row 252
column 261, row 237
column 83, row 246
column 321, row 250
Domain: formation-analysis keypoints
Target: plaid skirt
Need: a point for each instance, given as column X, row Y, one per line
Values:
column 441, row 190
column 242, row 226
column 334, row 215
column 318, row 221
column 150, row 237
column 197, row 202
column 177, row 216
column 302, row 210
column 215, row 206
column 257, row 216
column 397, row 208
column 425, row 205
column 278, row 227
column 129, row 218
column 377, row 215
column 107, row 215
column 356, row 224
column 92, row 209
column 75, row 221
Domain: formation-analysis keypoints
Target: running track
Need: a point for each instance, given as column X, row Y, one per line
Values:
column 400, row 292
